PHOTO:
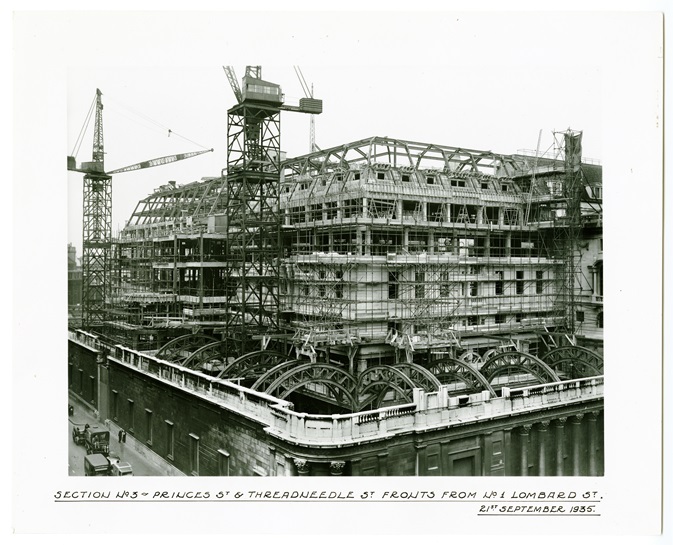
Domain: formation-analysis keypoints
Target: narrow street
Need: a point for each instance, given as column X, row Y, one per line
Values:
column 83, row 415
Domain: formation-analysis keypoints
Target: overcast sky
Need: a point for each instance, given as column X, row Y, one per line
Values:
column 482, row 81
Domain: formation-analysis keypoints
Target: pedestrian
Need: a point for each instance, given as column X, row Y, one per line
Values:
column 120, row 435
column 124, row 437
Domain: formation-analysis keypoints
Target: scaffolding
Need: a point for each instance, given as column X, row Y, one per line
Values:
column 428, row 250
column 375, row 254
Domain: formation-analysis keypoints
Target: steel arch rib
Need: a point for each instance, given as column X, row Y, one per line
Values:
column 589, row 362
column 377, row 396
column 420, row 376
column 188, row 342
column 519, row 361
column 207, row 352
column 382, row 394
column 313, row 373
column 392, row 376
column 257, row 360
column 263, row 382
column 459, row 369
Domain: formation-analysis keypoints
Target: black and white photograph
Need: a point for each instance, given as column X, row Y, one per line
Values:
column 375, row 260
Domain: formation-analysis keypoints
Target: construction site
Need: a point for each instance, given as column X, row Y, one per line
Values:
column 383, row 307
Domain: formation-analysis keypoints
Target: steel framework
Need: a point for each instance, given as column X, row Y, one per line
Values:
column 96, row 229
column 254, row 244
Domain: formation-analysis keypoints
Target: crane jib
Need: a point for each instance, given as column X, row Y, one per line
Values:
column 159, row 161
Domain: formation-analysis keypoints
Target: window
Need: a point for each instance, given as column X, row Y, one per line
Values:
column 223, row 462
column 70, row 374
column 599, row 320
column 148, row 425
column 81, row 381
column 539, row 282
column 194, row 454
column 380, row 175
column 473, row 320
column 579, row 316
column 339, row 288
column 518, row 317
column 504, row 187
column 405, row 177
column 444, row 286
column 131, row 414
column 519, row 282
column 454, row 183
column 170, row 440
column 419, row 289
column 484, row 185
column 356, row 176
column 499, row 284
column 499, row 318
column 474, row 289
column 430, row 180
column 392, row 285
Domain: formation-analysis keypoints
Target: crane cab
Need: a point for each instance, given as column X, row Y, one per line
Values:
column 258, row 90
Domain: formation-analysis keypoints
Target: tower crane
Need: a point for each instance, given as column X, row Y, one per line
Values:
column 97, row 216
column 254, row 215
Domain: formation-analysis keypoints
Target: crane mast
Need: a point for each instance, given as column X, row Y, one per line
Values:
column 96, row 228
column 253, row 195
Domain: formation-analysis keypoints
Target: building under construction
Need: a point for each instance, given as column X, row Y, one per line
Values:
column 374, row 284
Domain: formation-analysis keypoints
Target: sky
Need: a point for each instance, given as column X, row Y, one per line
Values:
column 472, row 82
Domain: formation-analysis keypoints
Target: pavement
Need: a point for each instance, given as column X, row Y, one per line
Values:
column 142, row 459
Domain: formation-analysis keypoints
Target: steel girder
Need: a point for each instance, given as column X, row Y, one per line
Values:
column 452, row 369
column 213, row 355
column 518, row 362
column 403, row 153
column 254, row 251
column 180, row 348
column 268, row 378
column 575, row 361
column 375, row 382
column 253, row 364
column 370, row 387
column 340, row 382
